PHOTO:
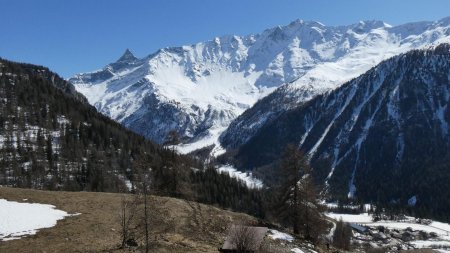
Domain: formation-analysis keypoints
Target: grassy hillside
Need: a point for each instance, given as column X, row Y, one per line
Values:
column 178, row 225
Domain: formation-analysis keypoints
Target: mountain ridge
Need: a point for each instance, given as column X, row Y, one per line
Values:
column 200, row 89
column 380, row 137
column 306, row 87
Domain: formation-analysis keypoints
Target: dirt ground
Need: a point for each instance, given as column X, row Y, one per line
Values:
column 177, row 225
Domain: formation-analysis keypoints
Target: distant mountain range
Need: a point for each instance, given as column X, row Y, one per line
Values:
column 367, row 103
column 212, row 88
column 51, row 138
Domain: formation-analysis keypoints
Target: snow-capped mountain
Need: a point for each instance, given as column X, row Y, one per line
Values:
column 352, row 51
column 198, row 90
column 381, row 137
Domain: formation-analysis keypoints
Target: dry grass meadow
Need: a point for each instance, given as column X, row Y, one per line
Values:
column 177, row 225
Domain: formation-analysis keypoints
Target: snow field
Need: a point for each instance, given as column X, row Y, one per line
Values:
column 21, row 219
column 246, row 177
column 441, row 229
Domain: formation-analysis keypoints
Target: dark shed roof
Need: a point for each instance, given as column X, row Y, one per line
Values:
column 358, row 228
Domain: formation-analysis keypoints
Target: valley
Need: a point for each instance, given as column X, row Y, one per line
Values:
column 206, row 135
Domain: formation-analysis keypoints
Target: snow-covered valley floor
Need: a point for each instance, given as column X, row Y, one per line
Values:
column 396, row 230
column 21, row 219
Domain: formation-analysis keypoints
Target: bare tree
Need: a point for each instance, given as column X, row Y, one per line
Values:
column 144, row 172
column 146, row 216
column 243, row 238
column 127, row 212
column 342, row 235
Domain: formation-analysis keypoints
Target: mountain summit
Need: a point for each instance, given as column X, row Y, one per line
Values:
column 199, row 90
column 127, row 56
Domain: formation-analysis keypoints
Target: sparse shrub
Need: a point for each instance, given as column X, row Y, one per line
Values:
column 243, row 238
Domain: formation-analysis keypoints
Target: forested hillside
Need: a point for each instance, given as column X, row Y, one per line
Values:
column 380, row 138
column 50, row 138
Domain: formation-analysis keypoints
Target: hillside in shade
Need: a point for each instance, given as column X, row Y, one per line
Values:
column 382, row 137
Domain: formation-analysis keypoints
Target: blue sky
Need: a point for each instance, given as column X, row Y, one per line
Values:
column 72, row 36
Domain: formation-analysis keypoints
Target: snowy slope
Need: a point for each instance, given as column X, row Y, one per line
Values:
column 198, row 90
column 20, row 219
column 380, row 137
column 352, row 51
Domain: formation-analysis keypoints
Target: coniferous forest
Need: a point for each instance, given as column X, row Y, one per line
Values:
column 52, row 139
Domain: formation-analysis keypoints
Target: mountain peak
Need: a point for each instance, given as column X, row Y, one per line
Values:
column 306, row 22
column 232, row 73
column 127, row 56
column 371, row 24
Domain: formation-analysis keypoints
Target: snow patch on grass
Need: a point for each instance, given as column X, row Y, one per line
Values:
column 297, row 250
column 354, row 218
column 431, row 244
column 20, row 219
column 277, row 235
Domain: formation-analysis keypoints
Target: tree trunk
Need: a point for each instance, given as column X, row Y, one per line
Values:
column 145, row 217
column 296, row 211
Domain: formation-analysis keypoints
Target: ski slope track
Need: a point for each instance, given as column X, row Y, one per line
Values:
column 207, row 91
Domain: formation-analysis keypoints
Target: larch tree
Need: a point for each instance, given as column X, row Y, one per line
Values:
column 297, row 199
